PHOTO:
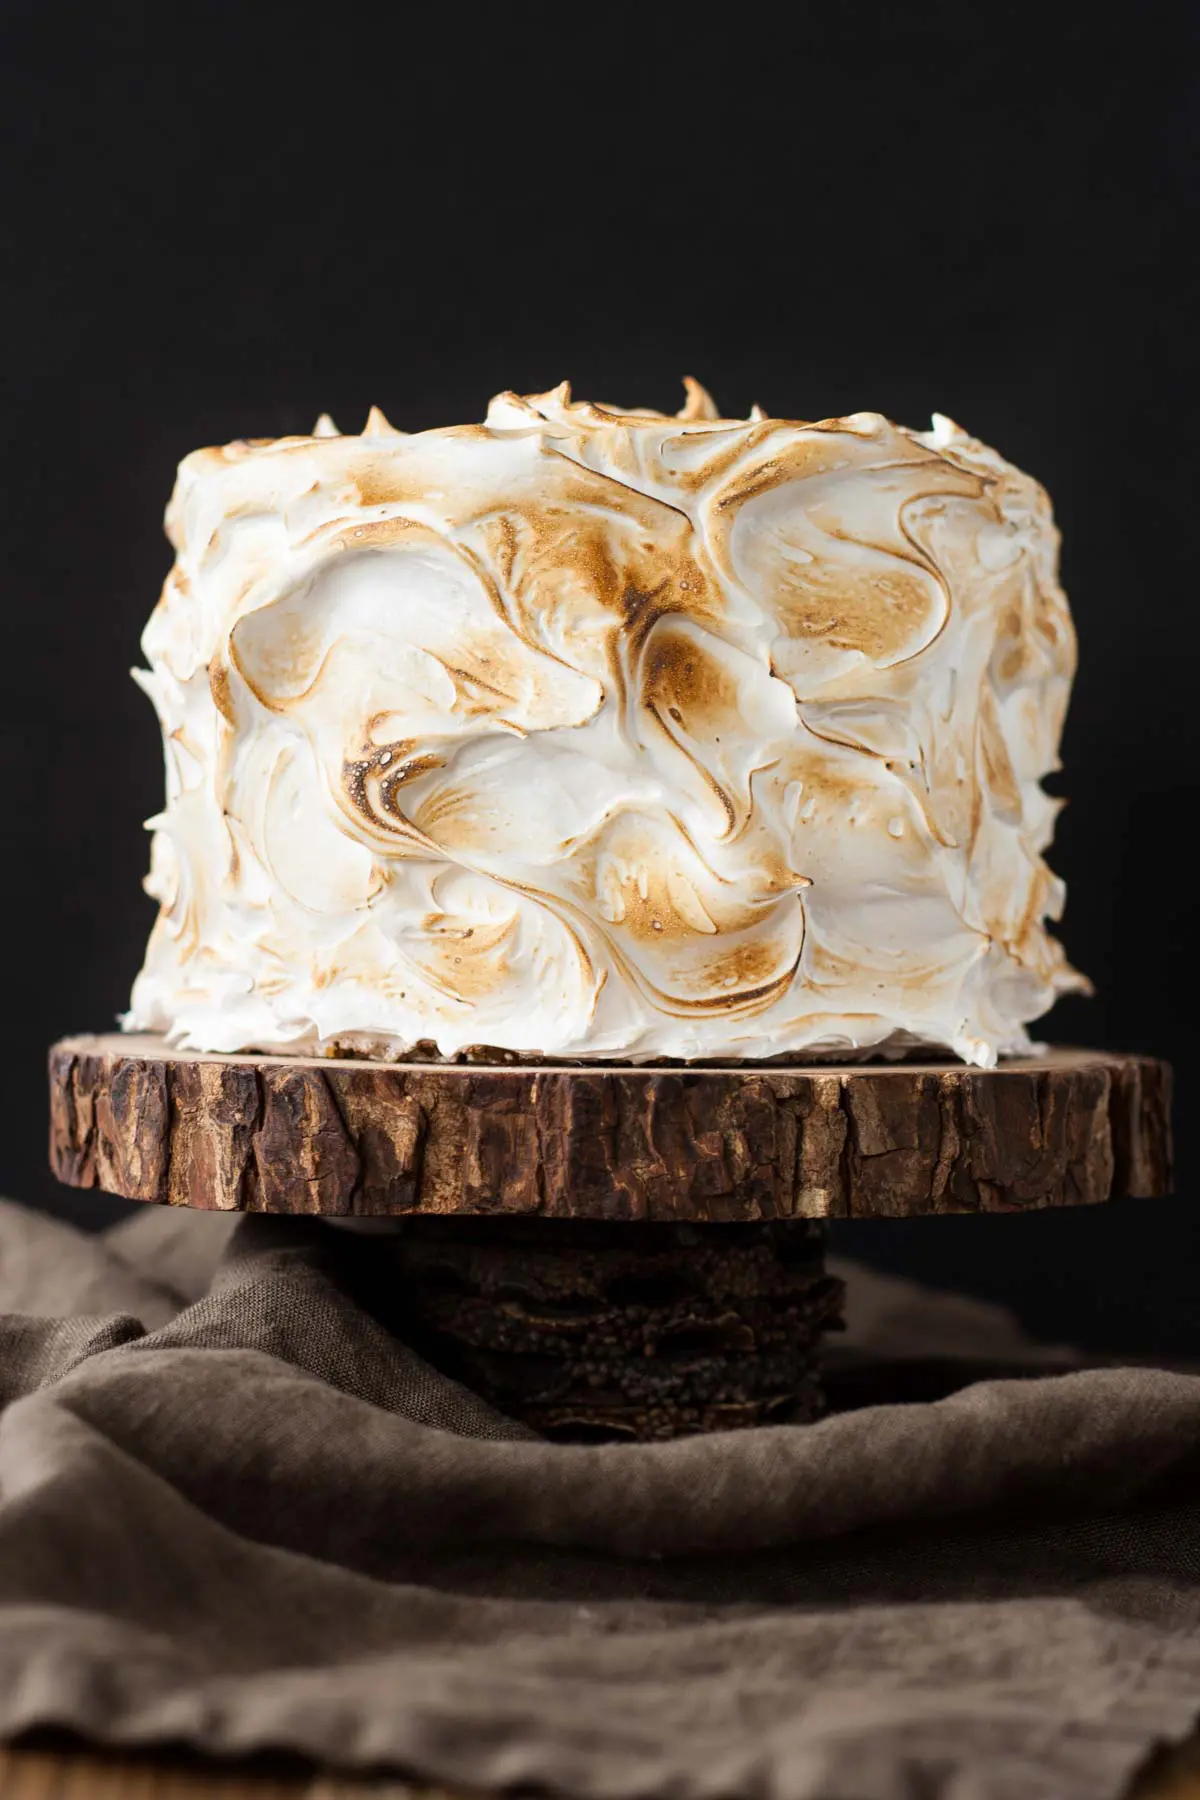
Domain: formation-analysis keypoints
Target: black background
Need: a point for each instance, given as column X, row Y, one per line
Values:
column 218, row 224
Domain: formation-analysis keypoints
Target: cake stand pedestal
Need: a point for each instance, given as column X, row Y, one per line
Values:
column 609, row 1250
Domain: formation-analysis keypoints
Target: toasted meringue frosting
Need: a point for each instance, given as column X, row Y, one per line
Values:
column 596, row 734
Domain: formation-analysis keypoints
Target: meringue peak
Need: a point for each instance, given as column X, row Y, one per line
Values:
column 378, row 425
column 699, row 403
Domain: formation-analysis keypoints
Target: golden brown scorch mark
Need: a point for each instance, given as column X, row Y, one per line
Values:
column 373, row 783
column 467, row 962
column 875, row 612
column 218, row 687
column 744, row 979
column 684, row 682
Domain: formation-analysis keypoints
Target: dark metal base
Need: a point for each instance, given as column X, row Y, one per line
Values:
column 589, row 1330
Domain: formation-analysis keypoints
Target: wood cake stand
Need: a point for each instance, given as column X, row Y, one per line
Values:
column 609, row 1250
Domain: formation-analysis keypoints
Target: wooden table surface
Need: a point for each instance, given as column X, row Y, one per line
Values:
column 73, row 1774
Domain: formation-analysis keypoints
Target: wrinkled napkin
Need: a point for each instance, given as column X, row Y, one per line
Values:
column 239, row 1514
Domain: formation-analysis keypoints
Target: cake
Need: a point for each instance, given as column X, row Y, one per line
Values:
column 587, row 733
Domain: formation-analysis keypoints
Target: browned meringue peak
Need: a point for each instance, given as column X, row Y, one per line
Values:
column 536, row 409
column 601, row 732
column 378, row 425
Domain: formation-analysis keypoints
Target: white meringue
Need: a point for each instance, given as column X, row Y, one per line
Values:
column 586, row 733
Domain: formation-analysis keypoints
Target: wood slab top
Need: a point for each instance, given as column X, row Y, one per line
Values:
column 356, row 1138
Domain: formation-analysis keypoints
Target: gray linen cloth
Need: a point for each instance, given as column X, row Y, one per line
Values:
column 238, row 1514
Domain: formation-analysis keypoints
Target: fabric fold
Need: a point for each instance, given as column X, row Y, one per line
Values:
column 263, row 1521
